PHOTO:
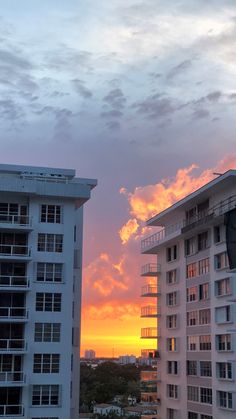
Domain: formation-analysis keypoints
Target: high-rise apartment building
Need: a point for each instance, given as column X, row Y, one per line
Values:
column 196, row 315
column 41, row 221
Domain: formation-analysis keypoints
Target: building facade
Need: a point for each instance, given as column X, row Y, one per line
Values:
column 41, row 221
column 196, row 328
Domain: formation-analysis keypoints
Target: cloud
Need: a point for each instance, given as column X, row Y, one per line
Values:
column 116, row 99
column 155, row 107
column 179, row 69
column 128, row 311
column 200, row 114
column 147, row 201
column 81, row 89
column 128, row 230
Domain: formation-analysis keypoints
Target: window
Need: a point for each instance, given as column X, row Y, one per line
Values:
column 192, row 293
column 45, row 395
column 46, row 363
column 172, row 367
column 204, row 316
column 171, row 344
column 221, row 261
column 202, row 241
column 218, row 234
column 190, row 247
column 47, row 332
column 49, row 272
column 191, row 215
column 50, row 214
column 223, row 342
column 191, row 367
column 171, row 277
column 205, row 369
column 222, row 287
column 172, row 391
column 192, row 415
column 171, row 413
column 171, row 321
column 204, row 266
column 171, row 253
column 171, row 298
column 191, row 270
column 223, row 314
column 50, row 242
column 44, row 417
column 206, row 417
column 192, row 342
column 206, row 395
column 46, row 301
column 192, row 318
column 224, row 370
column 192, row 394
column 225, row 399
column 205, row 342
column 204, row 291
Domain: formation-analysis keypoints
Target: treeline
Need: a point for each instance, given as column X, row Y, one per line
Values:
column 102, row 384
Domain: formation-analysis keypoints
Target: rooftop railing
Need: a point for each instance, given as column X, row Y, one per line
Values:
column 160, row 236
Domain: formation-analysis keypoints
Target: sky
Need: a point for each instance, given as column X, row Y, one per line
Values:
column 139, row 94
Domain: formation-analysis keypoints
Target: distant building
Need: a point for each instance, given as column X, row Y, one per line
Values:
column 127, row 359
column 90, row 354
column 105, row 409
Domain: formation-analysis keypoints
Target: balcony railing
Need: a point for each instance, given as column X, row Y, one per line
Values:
column 148, row 376
column 14, row 250
column 150, row 311
column 11, row 410
column 12, row 345
column 161, row 236
column 150, row 353
column 14, row 281
column 12, row 377
column 17, row 220
column 150, row 290
column 150, row 269
column 149, row 333
column 13, row 312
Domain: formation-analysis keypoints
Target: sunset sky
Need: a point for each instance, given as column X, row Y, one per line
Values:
column 141, row 95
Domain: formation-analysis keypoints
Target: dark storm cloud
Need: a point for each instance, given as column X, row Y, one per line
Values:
column 200, row 114
column 116, row 99
column 81, row 89
column 155, row 106
column 179, row 69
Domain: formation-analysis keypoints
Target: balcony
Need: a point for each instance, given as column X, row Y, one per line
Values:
column 150, row 269
column 12, row 346
column 150, row 244
column 15, row 222
column 14, row 252
column 14, row 283
column 150, row 399
column 149, row 376
column 150, row 290
column 150, row 353
column 149, row 333
column 150, row 311
column 11, row 410
column 12, row 378
column 13, row 314
column 150, row 416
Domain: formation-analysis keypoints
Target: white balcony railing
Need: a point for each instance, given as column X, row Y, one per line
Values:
column 149, row 333
column 12, row 345
column 150, row 269
column 161, row 236
column 17, row 220
column 12, row 377
column 150, row 290
column 11, row 410
column 14, row 281
column 150, row 311
column 13, row 312
column 14, row 250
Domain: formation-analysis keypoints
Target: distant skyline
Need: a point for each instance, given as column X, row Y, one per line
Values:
column 128, row 92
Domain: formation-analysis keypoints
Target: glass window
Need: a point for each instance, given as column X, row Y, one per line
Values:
column 191, row 367
column 46, row 363
column 49, row 272
column 204, row 266
column 50, row 242
column 192, row 415
column 45, row 395
column 171, row 298
column 50, row 214
column 223, row 342
column 222, row 287
column 202, row 240
column 190, row 246
column 172, row 391
column 171, row 321
column 192, row 293
column 172, row 367
column 193, row 393
column 204, row 316
column 204, row 291
column 192, row 342
column 171, row 277
column 192, row 318
column 191, row 270
column 171, row 253
column 46, row 301
column 171, row 344
column 205, row 342
column 225, row 399
column 223, row 314
column 221, row 261
column 205, row 369
column 47, row 332
column 206, row 395
column 224, row 370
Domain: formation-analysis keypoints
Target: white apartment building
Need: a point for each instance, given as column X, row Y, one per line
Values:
column 196, row 310
column 41, row 222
